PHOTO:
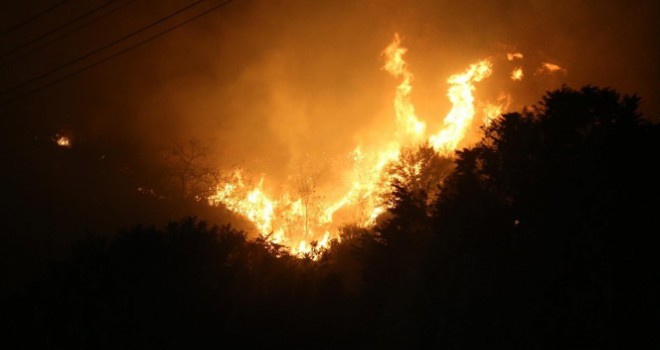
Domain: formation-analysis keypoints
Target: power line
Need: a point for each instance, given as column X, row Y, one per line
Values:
column 97, row 50
column 38, row 15
column 52, row 31
column 67, row 34
column 74, row 73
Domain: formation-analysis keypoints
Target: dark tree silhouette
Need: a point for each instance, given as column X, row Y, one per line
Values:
column 544, row 227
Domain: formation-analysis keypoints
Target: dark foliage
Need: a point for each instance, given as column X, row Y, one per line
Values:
column 541, row 237
column 542, row 233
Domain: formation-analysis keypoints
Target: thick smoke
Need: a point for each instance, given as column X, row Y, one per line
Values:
column 275, row 84
column 278, row 82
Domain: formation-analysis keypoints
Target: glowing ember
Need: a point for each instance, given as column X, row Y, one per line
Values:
column 514, row 56
column 517, row 74
column 62, row 141
column 550, row 68
column 306, row 226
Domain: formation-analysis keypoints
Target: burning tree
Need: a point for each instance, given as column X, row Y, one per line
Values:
column 419, row 172
column 307, row 189
column 298, row 216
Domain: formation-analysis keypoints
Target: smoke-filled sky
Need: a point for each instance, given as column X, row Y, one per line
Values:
column 272, row 83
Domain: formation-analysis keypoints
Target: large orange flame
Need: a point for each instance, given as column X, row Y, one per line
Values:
column 308, row 229
column 460, row 116
column 405, row 111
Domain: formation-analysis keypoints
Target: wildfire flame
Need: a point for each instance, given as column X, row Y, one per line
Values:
column 62, row 141
column 493, row 110
column 517, row 74
column 252, row 203
column 461, row 114
column 514, row 55
column 308, row 229
column 405, row 111
column 550, row 68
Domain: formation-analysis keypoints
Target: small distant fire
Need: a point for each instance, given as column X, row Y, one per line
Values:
column 62, row 140
column 514, row 55
column 551, row 68
column 307, row 227
column 517, row 74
